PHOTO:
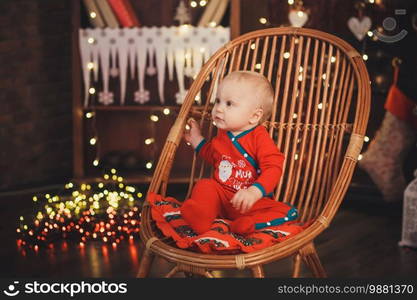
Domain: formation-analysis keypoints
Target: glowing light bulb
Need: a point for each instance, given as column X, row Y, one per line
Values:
column 93, row 141
column 360, row 156
column 92, row 90
column 366, row 139
column 290, row 2
column 333, row 59
column 263, row 20
column 35, row 198
column 258, row 66
column 286, row 55
column 93, row 15
column 253, row 46
column 149, row 141
column 113, row 171
column 166, row 111
column 365, row 57
column 89, row 115
column 212, row 24
column 154, row 118
column 300, row 13
column 203, row 2
column 320, row 106
column 91, row 40
column 148, row 165
column 193, row 4
column 95, row 162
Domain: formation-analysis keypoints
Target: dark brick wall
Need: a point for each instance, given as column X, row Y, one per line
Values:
column 35, row 92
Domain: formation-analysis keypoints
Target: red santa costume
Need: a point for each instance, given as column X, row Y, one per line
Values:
column 248, row 159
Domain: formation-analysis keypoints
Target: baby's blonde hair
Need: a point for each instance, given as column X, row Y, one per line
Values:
column 264, row 91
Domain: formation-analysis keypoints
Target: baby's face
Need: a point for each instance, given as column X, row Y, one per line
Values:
column 235, row 106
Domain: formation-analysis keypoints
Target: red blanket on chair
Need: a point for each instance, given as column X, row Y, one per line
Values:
column 219, row 239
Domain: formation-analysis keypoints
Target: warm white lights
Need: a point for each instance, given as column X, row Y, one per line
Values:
column 89, row 115
column 263, row 20
column 154, row 118
column 149, row 141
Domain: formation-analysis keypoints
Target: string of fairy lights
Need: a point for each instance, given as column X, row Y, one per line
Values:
column 297, row 5
column 107, row 211
column 94, row 142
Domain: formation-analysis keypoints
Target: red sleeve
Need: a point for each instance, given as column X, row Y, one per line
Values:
column 270, row 161
column 205, row 150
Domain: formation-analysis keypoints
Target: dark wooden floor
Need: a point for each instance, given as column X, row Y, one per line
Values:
column 362, row 242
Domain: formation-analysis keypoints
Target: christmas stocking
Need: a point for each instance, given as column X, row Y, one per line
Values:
column 384, row 158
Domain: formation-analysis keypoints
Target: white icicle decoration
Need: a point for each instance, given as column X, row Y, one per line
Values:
column 142, row 52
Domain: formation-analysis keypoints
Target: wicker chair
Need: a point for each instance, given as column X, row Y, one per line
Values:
column 320, row 114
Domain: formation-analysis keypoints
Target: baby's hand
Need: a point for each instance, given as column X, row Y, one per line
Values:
column 192, row 134
column 244, row 199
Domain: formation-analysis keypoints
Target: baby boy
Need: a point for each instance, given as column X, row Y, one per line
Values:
column 247, row 163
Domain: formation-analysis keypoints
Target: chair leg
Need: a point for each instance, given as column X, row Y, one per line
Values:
column 145, row 263
column 172, row 272
column 296, row 266
column 312, row 261
column 258, row 272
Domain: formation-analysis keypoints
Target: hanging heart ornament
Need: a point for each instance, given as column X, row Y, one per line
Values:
column 359, row 27
column 297, row 17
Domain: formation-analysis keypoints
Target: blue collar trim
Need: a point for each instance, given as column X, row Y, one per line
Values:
column 240, row 134
column 242, row 150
